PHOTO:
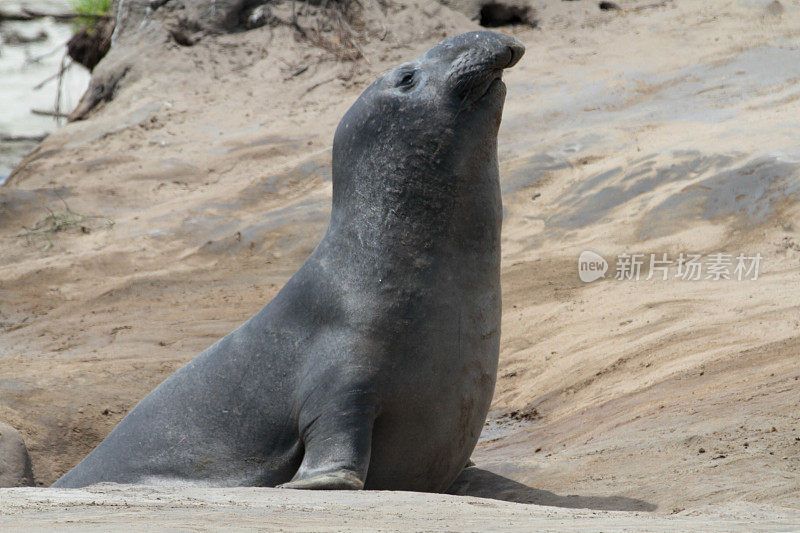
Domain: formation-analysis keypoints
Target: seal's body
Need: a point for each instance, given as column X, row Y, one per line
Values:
column 375, row 365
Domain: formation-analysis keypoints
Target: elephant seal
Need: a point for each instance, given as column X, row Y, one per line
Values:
column 375, row 365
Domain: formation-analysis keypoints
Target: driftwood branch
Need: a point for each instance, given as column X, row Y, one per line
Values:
column 58, row 74
column 46, row 113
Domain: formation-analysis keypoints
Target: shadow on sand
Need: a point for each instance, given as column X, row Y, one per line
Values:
column 484, row 484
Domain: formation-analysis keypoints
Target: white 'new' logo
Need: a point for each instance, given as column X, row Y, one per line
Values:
column 591, row 266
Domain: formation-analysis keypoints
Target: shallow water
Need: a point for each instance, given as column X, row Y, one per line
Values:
column 19, row 75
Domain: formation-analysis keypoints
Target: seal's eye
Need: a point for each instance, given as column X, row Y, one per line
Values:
column 407, row 79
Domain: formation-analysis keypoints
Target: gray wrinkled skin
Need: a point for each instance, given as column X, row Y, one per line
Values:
column 375, row 365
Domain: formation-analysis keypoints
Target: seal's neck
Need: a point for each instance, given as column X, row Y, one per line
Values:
column 396, row 207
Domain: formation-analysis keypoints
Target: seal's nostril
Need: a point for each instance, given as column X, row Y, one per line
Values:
column 514, row 54
column 517, row 50
column 512, row 58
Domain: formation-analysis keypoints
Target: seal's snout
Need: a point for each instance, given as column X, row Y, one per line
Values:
column 506, row 49
column 475, row 61
column 489, row 48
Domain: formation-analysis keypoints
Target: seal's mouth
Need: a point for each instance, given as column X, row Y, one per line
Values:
column 495, row 82
column 493, row 86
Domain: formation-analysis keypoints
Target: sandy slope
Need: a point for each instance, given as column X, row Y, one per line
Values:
column 656, row 130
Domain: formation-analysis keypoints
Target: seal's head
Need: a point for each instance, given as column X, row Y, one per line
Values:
column 460, row 74
column 427, row 124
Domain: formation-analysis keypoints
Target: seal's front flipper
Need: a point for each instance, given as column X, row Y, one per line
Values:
column 341, row 480
column 337, row 450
